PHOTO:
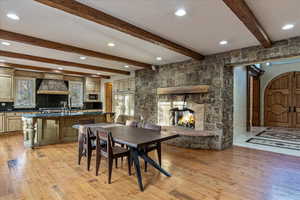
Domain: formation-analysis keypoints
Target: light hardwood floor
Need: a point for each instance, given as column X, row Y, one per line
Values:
column 52, row 172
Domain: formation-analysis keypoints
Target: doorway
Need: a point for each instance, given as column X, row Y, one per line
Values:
column 108, row 97
column 282, row 101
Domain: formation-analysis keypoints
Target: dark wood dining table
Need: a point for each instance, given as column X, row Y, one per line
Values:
column 136, row 139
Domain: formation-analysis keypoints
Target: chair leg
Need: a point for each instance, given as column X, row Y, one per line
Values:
column 80, row 151
column 159, row 153
column 89, row 157
column 98, row 158
column 110, row 166
column 146, row 164
column 129, row 164
column 116, row 162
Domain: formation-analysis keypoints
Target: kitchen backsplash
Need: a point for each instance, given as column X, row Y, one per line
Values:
column 6, row 105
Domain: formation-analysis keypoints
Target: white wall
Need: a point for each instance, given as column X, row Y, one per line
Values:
column 239, row 100
column 113, row 78
column 270, row 73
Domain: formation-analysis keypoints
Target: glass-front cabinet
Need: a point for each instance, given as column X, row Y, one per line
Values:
column 123, row 97
column 76, row 93
column 24, row 92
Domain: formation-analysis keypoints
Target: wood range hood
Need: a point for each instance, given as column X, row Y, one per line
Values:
column 182, row 90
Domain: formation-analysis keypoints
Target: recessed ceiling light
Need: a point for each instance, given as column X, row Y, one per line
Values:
column 111, row 44
column 60, row 68
column 13, row 16
column 82, row 57
column 180, row 12
column 5, row 43
column 223, row 42
column 98, row 73
column 1, row 60
column 268, row 64
column 288, row 26
column 126, row 66
column 159, row 58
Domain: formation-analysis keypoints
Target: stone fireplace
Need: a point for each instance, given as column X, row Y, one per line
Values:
column 182, row 110
column 188, row 115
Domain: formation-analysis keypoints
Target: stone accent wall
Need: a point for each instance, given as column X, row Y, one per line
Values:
column 214, row 70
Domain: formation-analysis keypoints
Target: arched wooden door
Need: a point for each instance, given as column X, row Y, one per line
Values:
column 282, row 101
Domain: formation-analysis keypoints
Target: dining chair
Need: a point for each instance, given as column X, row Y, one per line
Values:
column 86, row 144
column 153, row 147
column 111, row 152
column 131, row 123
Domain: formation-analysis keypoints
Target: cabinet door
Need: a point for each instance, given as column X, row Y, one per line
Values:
column 24, row 92
column 76, row 93
column 6, row 89
column 48, row 130
column 2, row 122
column 13, row 124
column 126, row 85
column 132, row 84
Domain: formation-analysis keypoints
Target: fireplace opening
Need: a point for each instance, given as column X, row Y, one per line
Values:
column 184, row 117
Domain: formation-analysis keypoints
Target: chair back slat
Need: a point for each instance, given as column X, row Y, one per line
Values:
column 131, row 123
column 104, row 135
column 89, row 135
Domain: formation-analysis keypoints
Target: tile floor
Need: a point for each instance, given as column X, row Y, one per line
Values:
column 241, row 137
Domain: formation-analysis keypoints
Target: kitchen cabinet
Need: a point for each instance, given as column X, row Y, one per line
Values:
column 2, row 123
column 123, row 96
column 13, row 124
column 6, row 89
column 92, row 86
column 24, row 92
column 76, row 93
column 124, row 85
column 13, row 121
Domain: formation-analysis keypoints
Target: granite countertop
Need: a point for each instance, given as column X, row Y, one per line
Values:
column 61, row 114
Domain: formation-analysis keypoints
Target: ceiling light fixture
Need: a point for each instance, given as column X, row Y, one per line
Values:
column 268, row 64
column 126, row 66
column 223, row 42
column 159, row 58
column 1, row 60
column 288, row 26
column 180, row 12
column 111, row 44
column 98, row 73
column 5, row 43
column 60, row 68
column 82, row 57
column 13, row 16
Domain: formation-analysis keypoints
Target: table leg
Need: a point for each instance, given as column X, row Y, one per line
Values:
column 153, row 163
column 135, row 158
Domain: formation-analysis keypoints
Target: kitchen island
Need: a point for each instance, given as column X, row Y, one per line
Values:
column 53, row 128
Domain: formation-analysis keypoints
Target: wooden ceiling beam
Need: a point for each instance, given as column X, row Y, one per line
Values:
column 17, row 37
column 61, row 62
column 243, row 12
column 81, row 10
column 44, row 69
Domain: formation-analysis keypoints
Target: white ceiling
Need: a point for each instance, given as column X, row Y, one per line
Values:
column 207, row 22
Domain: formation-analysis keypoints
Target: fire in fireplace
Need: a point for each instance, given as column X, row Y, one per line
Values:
column 183, row 117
